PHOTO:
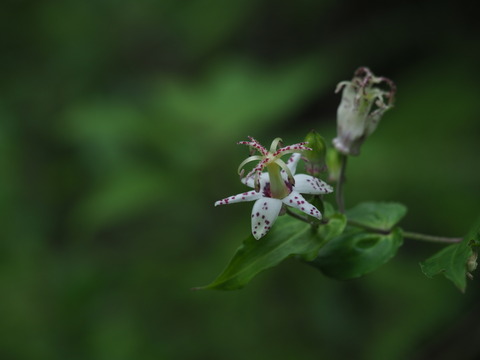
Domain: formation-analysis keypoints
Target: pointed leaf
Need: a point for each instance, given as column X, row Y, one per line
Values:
column 377, row 215
column 356, row 253
column 455, row 261
column 288, row 237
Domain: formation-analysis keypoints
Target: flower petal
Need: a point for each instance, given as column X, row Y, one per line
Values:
column 297, row 201
column 264, row 213
column 246, row 196
column 250, row 180
column 307, row 184
column 293, row 162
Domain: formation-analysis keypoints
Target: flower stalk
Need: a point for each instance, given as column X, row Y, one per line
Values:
column 431, row 238
column 340, row 182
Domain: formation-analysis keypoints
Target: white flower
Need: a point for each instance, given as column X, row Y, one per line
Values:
column 360, row 109
column 277, row 187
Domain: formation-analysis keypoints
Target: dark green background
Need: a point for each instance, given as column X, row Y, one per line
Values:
column 118, row 123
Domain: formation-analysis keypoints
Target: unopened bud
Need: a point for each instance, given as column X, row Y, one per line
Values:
column 361, row 108
column 334, row 164
column 315, row 159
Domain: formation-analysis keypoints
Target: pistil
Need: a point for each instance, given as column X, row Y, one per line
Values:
column 278, row 187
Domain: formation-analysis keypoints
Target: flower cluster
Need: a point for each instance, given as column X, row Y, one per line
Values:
column 278, row 187
column 275, row 185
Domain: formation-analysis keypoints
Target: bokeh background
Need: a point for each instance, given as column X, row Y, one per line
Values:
column 118, row 123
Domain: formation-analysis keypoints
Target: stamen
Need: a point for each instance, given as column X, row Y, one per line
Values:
column 254, row 143
column 274, row 145
column 256, row 182
column 292, row 149
column 285, row 168
column 247, row 160
column 269, row 157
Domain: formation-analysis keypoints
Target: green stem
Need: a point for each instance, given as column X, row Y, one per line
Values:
column 409, row 234
column 340, row 182
column 297, row 216
column 431, row 238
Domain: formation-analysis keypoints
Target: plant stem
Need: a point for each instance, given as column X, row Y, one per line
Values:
column 409, row 234
column 340, row 182
column 431, row 238
column 297, row 216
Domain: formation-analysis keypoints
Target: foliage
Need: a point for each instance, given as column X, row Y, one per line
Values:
column 359, row 251
column 288, row 238
column 117, row 121
column 372, row 236
column 456, row 261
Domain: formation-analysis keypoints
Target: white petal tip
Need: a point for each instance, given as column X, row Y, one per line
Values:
column 258, row 235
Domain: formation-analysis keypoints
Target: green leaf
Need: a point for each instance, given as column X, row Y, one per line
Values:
column 288, row 237
column 378, row 215
column 357, row 252
column 455, row 261
column 368, row 243
column 334, row 227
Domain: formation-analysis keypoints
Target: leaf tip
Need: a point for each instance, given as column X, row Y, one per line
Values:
column 198, row 288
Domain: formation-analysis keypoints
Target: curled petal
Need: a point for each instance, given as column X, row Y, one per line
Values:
column 264, row 213
column 307, row 184
column 340, row 85
column 298, row 201
column 246, row 196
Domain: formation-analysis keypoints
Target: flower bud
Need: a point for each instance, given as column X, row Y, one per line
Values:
column 361, row 108
column 472, row 262
column 334, row 164
column 315, row 159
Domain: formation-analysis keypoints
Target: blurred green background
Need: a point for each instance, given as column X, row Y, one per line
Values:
column 118, row 123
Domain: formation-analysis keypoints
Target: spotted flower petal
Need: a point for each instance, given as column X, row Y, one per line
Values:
column 268, row 200
column 264, row 213
column 297, row 201
column 293, row 162
column 250, row 181
column 307, row 184
column 246, row 196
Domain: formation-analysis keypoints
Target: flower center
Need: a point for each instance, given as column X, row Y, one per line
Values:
column 278, row 186
column 274, row 164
